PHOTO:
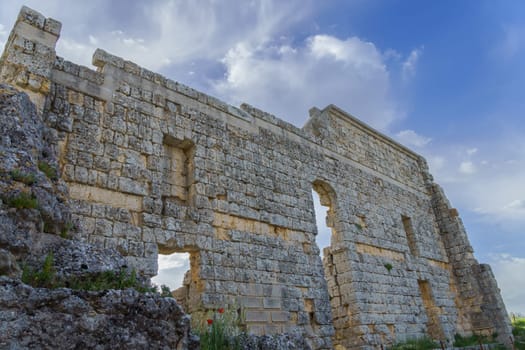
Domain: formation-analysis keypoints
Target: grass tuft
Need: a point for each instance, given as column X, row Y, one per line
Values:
column 424, row 343
column 518, row 331
column 46, row 277
column 48, row 170
column 23, row 200
column 26, row 178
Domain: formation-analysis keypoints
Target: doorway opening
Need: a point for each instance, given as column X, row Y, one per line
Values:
column 179, row 271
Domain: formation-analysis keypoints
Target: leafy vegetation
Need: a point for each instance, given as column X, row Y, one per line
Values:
column 416, row 344
column 388, row 266
column 43, row 278
column 46, row 277
column 64, row 233
column 474, row 339
column 219, row 330
column 24, row 200
column 518, row 331
column 19, row 176
column 48, row 170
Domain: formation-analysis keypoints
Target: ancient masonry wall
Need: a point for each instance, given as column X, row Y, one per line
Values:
column 155, row 167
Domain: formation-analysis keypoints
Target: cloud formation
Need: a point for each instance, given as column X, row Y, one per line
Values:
column 288, row 80
column 508, row 270
column 411, row 138
column 409, row 65
column 172, row 269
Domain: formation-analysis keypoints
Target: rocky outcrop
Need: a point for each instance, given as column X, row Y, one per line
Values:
column 34, row 226
column 62, row 318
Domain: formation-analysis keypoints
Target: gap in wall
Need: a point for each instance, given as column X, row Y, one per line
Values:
column 323, row 231
column 172, row 268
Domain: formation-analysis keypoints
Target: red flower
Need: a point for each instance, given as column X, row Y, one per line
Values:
column 209, row 322
column 221, row 310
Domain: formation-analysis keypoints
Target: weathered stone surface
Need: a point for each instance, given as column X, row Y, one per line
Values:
column 64, row 319
column 8, row 265
column 273, row 342
column 154, row 166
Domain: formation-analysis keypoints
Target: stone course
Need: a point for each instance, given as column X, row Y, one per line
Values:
column 155, row 167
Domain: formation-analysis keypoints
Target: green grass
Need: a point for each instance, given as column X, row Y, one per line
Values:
column 43, row 278
column 46, row 277
column 64, row 233
column 518, row 331
column 23, row 200
column 107, row 280
column 48, row 170
column 25, row 178
column 475, row 339
column 219, row 329
column 416, row 344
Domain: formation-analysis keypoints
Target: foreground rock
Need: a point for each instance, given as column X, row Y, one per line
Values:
column 62, row 318
column 35, row 226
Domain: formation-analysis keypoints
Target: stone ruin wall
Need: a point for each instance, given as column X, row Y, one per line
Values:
column 155, row 167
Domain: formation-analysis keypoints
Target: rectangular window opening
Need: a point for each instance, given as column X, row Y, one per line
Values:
column 411, row 238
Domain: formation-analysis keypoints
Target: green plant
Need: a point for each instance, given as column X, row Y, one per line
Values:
column 388, row 266
column 106, row 280
column 48, row 170
column 358, row 226
column 518, row 331
column 474, row 339
column 219, row 329
column 23, row 200
column 19, row 176
column 43, row 278
column 165, row 291
column 64, row 233
column 424, row 343
column 46, row 277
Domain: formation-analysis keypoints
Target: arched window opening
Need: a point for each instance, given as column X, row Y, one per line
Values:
column 323, row 231
column 324, row 198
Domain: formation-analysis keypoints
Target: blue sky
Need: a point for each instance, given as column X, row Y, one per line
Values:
column 445, row 78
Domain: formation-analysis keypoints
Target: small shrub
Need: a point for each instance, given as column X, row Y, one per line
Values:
column 19, row 176
column 388, row 266
column 424, row 343
column 165, row 291
column 64, row 233
column 107, row 280
column 43, row 278
column 48, row 170
column 219, row 329
column 23, row 200
column 358, row 226
column 474, row 339
column 46, row 278
column 518, row 331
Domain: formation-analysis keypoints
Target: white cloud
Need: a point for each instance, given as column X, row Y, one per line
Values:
column 411, row 138
column 288, row 80
column 467, row 167
column 472, row 151
column 509, row 274
column 480, row 180
column 172, row 269
column 410, row 64
column 173, row 260
column 158, row 33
